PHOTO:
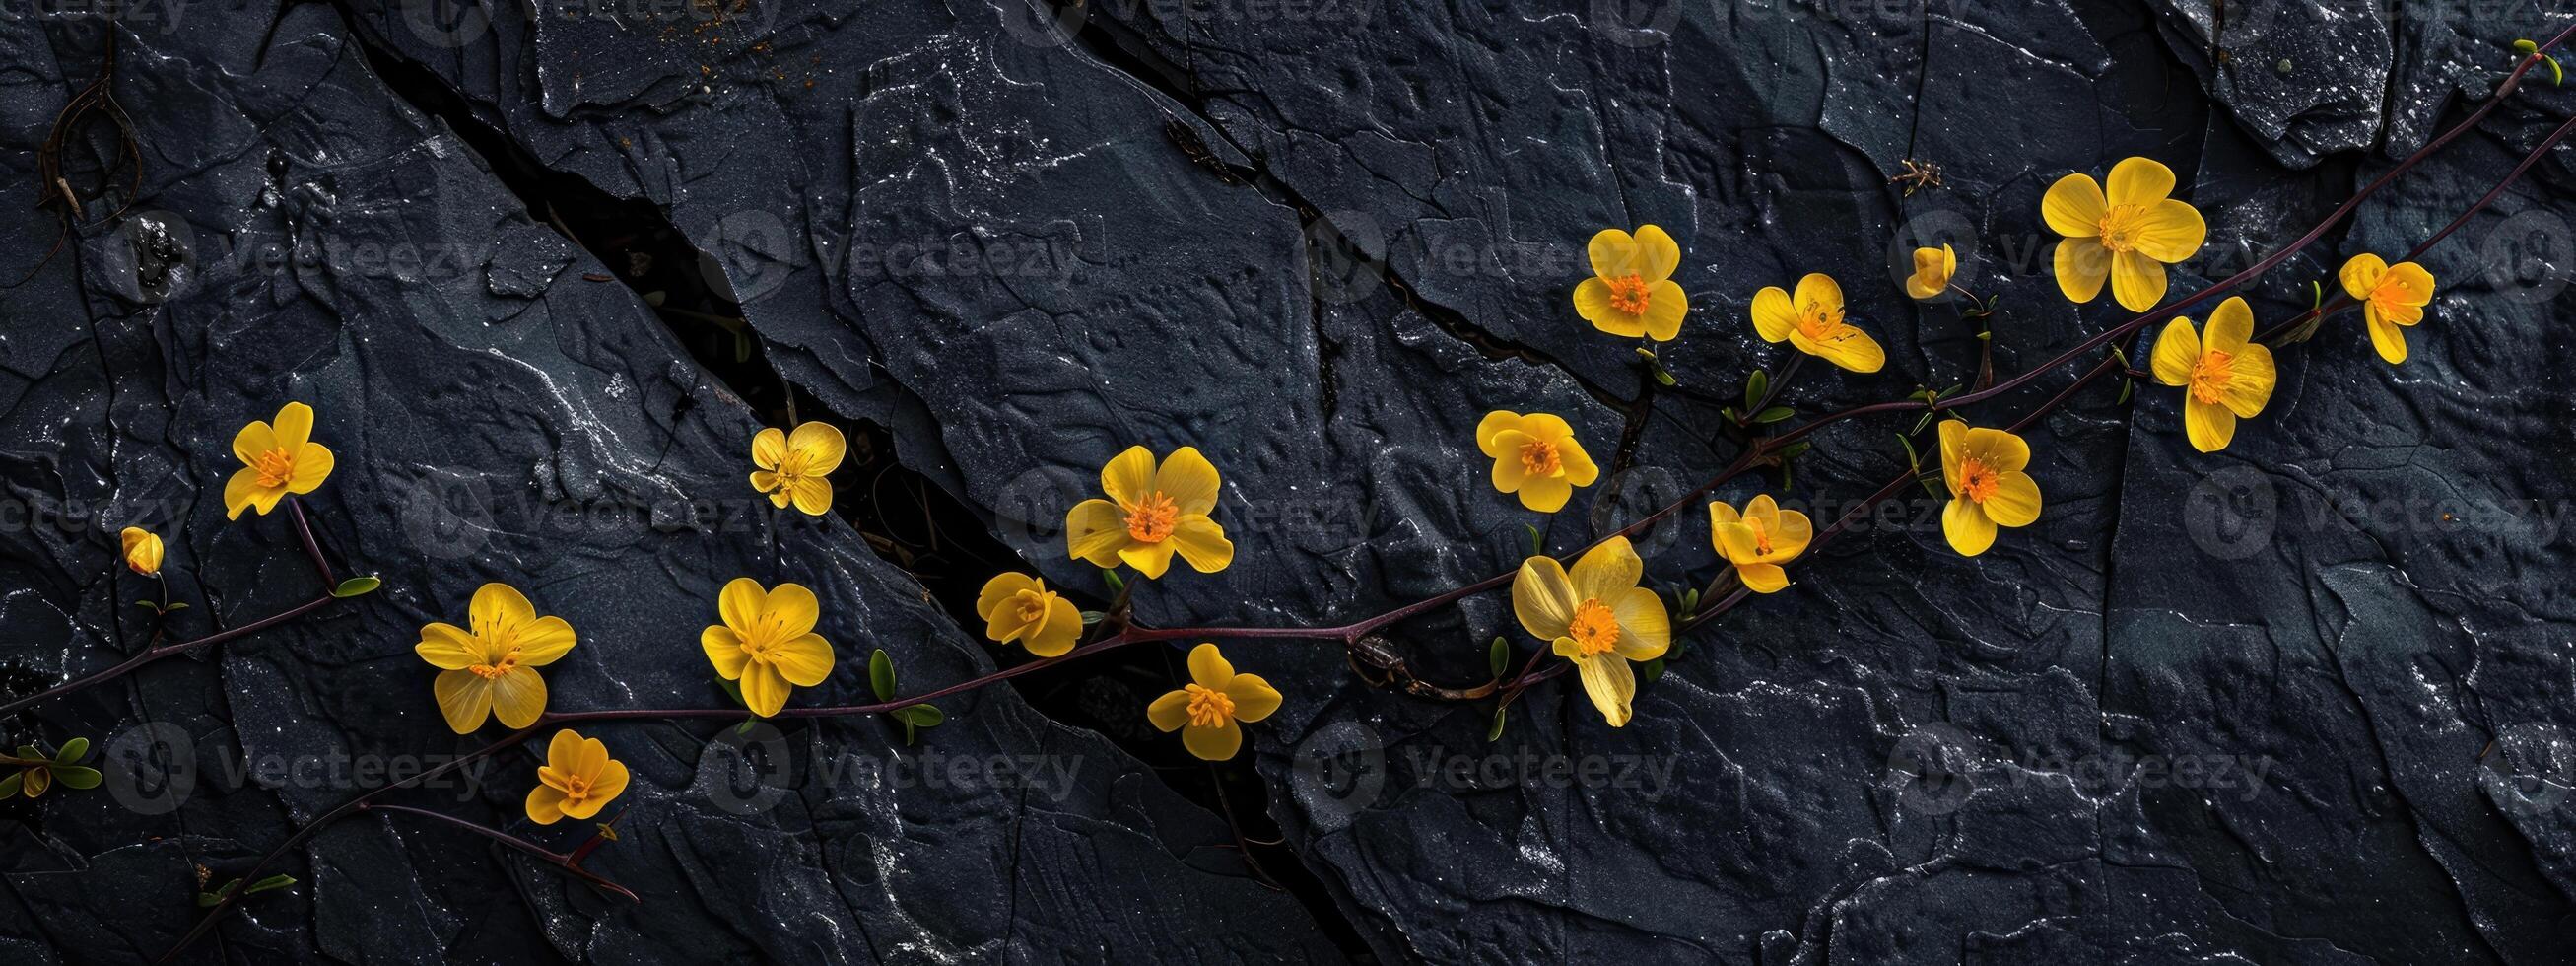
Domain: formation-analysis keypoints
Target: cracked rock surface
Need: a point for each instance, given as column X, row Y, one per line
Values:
column 2307, row 700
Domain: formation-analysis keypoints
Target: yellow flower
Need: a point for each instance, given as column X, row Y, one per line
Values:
column 1932, row 270
column 2128, row 237
column 276, row 461
column 1987, row 486
column 142, row 550
column 1632, row 292
column 1759, row 541
column 767, row 642
column 1150, row 514
column 1204, row 711
column 1598, row 618
column 1813, row 322
column 795, row 468
column 1018, row 607
column 577, row 780
column 1535, row 456
column 2229, row 376
column 490, row 671
column 2391, row 296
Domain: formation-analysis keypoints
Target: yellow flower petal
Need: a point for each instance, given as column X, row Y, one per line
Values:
column 1606, row 569
column 1645, row 627
column 1094, row 531
column 1169, row 712
column 2251, row 388
column 2137, row 282
column 2015, row 502
column 544, row 641
column 448, row 647
column 1657, row 253
column 2176, row 352
column 518, row 697
column 2001, row 450
column 1128, row 478
column 2209, row 425
column 723, row 648
column 545, row 805
column 610, row 783
column 254, row 439
column 2231, row 326
column 2140, row 181
column 741, row 602
column 1202, row 542
column 1666, row 305
column 804, row 660
column 1592, row 300
column 822, row 444
column 1610, row 685
column 2082, row 266
column 1149, row 559
column 812, row 495
column 1001, row 588
column 294, row 426
column 1254, row 698
column 2389, row 339
column 1545, row 494
column 768, row 448
column 1543, row 598
column 1793, row 534
column 2073, row 207
column 1189, row 480
column 1614, row 254
column 764, row 691
column 563, row 751
column 1217, row 743
column 464, row 698
column 1774, row 316
column 2170, row 231
column 1819, row 289
column 1966, row 527
column 1509, row 471
column 1762, row 578
column 1063, row 627
column 1209, row 668
column 793, row 608
column 1720, row 513
column 240, row 492
column 2360, row 275
column 1849, row 348
column 1735, row 542
column 2413, row 285
column 1954, row 443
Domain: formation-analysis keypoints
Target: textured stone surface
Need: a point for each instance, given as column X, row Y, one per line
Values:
column 2284, row 703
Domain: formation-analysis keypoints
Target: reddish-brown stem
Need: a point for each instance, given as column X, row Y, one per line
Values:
column 559, row 860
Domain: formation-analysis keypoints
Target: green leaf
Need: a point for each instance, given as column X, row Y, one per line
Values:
column 1651, row 671
column 921, row 716
column 216, row 897
column 357, row 586
column 1091, row 617
column 2127, row 386
column 73, row 751
column 911, row 735
column 1495, row 731
column 2316, row 295
column 1666, row 378
column 1499, row 657
column 278, row 881
column 77, row 776
column 29, row 753
column 9, row 785
column 1775, row 414
column 1538, row 542
column 1117, row 585
column 2557, row 77
column 148, row 605
column 1985, row 335
column 182, row 605
column 1690, row 600
column 881, row 674
column 2525, row 47
column 1797, row 449
column 1756, row 386
column 208, row 900
column 1911, row 460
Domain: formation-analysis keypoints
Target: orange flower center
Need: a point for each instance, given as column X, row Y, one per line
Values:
column 1594, row 629
column 2211, row 376
column 1820, row 322
column 794, row 468
column 766, row 633
column 576, row 788
column 1538, row 458
column 2121, row 225
column 1032, row 606
column 275, row 467
column 498, row 669
column 1977, row 481
column 1630, row 294
column 1209, row 707
column 1761, row 536
column 1151, row 520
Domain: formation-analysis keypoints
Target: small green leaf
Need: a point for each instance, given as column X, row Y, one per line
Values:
column 29, row 753
column 1775, row 414
column 1651, row 671
column 1537, row 541
column 77, row 776
column 1985, row 335
column 1646, row 353
column 148, row 605
column 1911, row 460
column 921, row 716
column 1499, row 657
column 1117, row 585
column 1756, row 387
column 182, row 605
column 357, row 586
column 208, row 900
column 1690, row 600
column 1091, row 617
column 881, row 674
column 2557, row 76
column 2316, row 295
column 1666, row 378
column 73, row 751
column 1495, row 731
column 278, row 881
column 9, row 785
column 911, row 735
column 1797, row 449
column 2127, row 387
column 2525, row 47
